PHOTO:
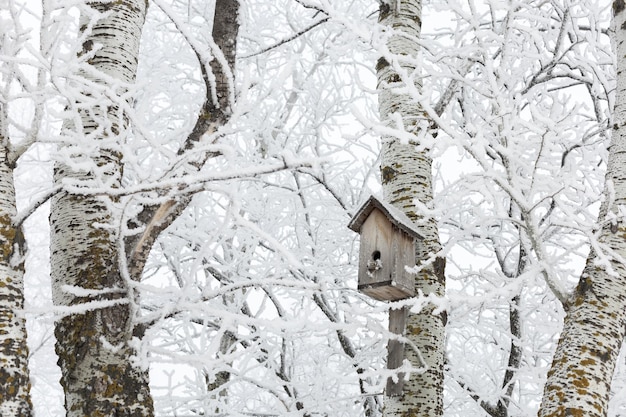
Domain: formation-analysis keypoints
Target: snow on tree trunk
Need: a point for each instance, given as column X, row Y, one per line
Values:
column 99, row 376
column 579, row 380
column 406, row 177
column 14, row 376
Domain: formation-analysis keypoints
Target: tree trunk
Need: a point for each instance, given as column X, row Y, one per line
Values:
column 14, row 376
column 99, row 376
column 579, row 380
column 406, row 177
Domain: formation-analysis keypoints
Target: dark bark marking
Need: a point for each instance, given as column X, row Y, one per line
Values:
column 388, row 174
column 381, row 64
column 384, row 11
column 440, row 269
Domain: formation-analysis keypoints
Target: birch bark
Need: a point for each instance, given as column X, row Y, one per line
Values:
column 580, row 377
column 406, row 177
column 14, row 376
column 99, row 377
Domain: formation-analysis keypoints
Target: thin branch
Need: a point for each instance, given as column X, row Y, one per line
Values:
column 515, row 354
column 190, row 185
column 289, row 39
column 492, row 410
column 21, row 217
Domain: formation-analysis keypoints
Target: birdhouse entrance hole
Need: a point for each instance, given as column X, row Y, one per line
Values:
column 375, row 263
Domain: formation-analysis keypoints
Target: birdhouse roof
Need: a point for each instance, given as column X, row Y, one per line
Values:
column 394, row 214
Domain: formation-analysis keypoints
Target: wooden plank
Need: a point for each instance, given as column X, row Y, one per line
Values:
column 395, row 350
column 403, row 253
column 376, row 236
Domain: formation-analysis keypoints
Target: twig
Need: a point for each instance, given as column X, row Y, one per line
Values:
column 289, row 39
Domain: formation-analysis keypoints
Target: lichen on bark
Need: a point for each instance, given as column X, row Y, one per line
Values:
column 99, row 375
column 14, row 374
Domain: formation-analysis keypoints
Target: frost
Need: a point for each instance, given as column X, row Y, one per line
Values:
column 87, row 292
column 109, row 346
column 245, row 298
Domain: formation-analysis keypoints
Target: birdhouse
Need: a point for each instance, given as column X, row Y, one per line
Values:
column 387, row 247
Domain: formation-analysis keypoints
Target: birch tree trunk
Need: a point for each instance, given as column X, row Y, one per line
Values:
column 99, row 376
column 14, row 376
column 406, row 176
column 579, row 380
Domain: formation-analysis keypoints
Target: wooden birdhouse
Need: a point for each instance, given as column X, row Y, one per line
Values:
column 387, row 247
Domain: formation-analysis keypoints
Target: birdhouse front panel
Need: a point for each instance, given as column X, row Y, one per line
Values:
column 384, row 253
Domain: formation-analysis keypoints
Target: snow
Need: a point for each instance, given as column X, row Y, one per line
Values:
column 262, row 250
